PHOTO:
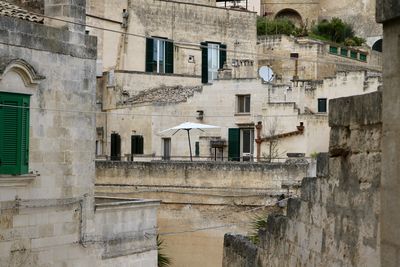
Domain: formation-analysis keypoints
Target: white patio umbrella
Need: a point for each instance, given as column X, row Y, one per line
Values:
column 187, row 126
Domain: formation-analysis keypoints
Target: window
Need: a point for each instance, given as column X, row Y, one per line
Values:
column 322, row 105
column 213, row 59
column 14, row 133
column 344, row 52
column 159, row 55
column 353, row 54
column 333, row 49
column 363, row 57
column 243, row 104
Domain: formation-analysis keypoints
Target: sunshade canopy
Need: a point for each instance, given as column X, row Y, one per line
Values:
column 190, row 125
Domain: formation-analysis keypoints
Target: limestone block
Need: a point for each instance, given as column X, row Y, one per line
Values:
column 339, row 141
column 6, row 221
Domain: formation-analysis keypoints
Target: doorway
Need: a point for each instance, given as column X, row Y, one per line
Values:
column 166, row 148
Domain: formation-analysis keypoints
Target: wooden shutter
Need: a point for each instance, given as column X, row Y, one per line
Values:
column 14, row 134
column 234, row 144
column 169, row 56
column 204, row 62
column 222, row 55
column 25, row 136
column 149, row 54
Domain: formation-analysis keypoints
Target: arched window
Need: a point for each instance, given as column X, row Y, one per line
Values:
column 18, row 81
column 377, row 46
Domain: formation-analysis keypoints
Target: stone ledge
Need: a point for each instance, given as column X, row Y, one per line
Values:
column 16, row 180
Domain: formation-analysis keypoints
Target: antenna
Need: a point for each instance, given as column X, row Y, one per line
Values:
column 266, row 73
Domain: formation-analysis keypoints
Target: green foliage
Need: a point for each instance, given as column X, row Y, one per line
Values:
column 336, row 31
column 163, row 260
column 259, row 222
column 280, row 26
column 314, row 155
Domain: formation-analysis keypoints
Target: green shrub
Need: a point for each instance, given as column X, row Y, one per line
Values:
column 280, row 26
column 336, row 31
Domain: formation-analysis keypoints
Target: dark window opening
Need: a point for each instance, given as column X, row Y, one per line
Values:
column 322, row 107
column 115, row 146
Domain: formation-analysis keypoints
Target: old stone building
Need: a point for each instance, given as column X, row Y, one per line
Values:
column 302, row 58
column 359, row 14
column 335, row 222
column 48, row 212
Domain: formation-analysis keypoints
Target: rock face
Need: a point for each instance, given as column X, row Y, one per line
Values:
column 335, row 222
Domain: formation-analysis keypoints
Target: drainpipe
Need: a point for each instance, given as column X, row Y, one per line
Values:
column 259, row 140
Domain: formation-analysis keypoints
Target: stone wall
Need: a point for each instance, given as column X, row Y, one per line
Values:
column 200, row 200
column 275, row 51
column 388, row 13
column 217, row 175
column 335, row 222
column 47, row 217
column 359, row 14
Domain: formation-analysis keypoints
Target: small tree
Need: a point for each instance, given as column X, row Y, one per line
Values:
column 272, row 140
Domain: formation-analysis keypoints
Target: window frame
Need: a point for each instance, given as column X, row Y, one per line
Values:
column 246, row 104
column 325, row 104
column 153, row 45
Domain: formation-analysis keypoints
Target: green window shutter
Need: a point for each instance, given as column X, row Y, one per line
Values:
column 333, row 49
column 344, row 52
column 363, row 57
column 353, row 54
column 14, row 134
column 222, row 55
column 149, row 54
column 169, row 56
column 25, row 135
column 234, row 144
column 204, row 62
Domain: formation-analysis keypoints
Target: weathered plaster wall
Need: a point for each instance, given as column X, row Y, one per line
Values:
column 336, row 219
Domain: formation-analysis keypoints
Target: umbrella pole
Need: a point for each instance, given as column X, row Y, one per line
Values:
column 190, row 147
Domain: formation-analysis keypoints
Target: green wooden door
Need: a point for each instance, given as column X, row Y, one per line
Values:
column 234, row 144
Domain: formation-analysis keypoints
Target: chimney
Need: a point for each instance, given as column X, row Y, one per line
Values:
column 70, row 10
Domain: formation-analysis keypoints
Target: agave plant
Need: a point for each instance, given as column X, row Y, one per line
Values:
column 259, row 222
column 163, row 260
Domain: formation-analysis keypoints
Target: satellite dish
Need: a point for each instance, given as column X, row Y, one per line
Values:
column 266, row 73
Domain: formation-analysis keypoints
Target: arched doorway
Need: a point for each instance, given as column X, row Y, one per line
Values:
column 290, row 14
